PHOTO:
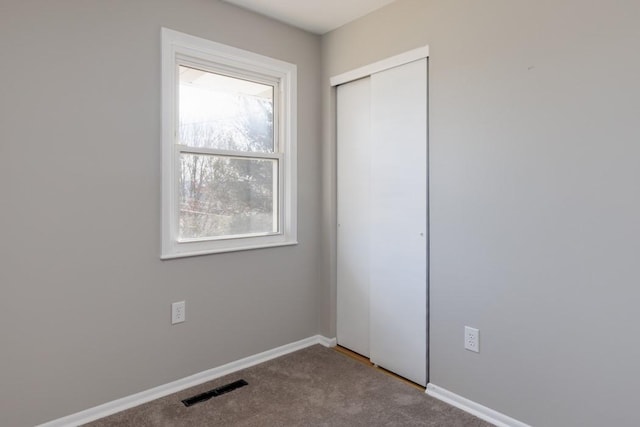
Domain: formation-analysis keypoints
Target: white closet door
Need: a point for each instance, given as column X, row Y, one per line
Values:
column 398, row 220
column 353, row 267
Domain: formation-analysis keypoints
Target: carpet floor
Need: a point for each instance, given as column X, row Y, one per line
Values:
column 315, row 386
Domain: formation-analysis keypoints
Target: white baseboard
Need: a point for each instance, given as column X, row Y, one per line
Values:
column 327, row 342
column 118, row 405
column 494, row 417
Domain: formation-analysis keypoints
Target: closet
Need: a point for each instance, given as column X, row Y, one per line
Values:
column 382, row 218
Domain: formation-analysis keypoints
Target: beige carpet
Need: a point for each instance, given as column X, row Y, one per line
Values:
column 315, row 386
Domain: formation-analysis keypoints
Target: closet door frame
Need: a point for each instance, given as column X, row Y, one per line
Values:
column 376, row 67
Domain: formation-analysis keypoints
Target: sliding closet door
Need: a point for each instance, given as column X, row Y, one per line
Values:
column 353, row 267
column 382, row 218
column 398, row 220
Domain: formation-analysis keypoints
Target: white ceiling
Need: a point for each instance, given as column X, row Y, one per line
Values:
column 317, row 16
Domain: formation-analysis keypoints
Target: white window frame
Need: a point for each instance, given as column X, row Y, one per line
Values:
column 183, row 49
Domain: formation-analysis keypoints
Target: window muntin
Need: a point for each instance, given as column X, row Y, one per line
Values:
column 229, row 148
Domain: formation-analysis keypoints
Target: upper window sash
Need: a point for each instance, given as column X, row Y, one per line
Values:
column 253, row 77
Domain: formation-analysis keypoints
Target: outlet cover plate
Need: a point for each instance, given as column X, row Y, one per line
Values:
column 178, row 312
column 472, row 339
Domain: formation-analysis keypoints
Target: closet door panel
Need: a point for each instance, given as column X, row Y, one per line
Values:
column 353, row 167
column 398, row 221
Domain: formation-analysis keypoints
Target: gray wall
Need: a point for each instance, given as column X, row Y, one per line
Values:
column 84, row 297
column 535, row 208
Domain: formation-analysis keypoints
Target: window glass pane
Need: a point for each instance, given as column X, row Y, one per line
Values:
column 224, row 196
column 224, row 113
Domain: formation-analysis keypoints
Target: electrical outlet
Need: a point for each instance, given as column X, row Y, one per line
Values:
column 472, row 339
column 178, row 312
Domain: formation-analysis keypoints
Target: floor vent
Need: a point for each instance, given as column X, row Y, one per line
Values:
column 215, row 392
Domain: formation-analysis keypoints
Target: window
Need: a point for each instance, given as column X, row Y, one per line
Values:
column 228, row 148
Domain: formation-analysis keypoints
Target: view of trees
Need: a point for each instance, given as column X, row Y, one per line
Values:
column 225, row 195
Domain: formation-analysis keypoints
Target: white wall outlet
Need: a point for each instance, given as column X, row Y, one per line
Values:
column 472, row 339
column 178, row 312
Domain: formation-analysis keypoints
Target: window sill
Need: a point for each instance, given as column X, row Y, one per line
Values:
column 248, row 247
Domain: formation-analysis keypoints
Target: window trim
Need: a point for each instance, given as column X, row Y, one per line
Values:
column 177, row 46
